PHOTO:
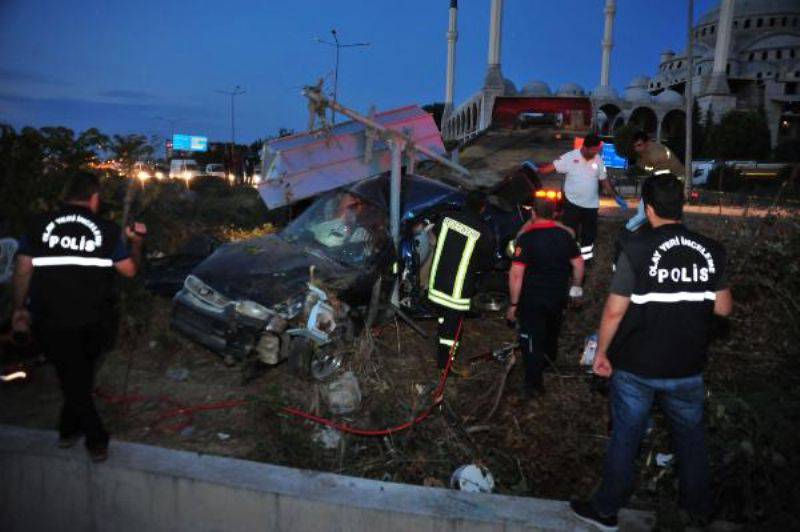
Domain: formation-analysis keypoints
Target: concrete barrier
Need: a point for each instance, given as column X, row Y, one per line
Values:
column 150, row 488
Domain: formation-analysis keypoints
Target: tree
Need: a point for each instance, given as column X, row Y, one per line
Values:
column 739, row 135
column 35, row 164
column 129, row 149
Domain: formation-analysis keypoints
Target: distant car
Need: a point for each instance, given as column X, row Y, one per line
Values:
column 185, row 169
column 143, row 171
column 297, row 294
column 217, row 170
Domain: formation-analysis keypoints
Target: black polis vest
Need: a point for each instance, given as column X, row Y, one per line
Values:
column 665, row 331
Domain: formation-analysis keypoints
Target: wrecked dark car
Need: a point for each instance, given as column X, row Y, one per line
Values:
column 299, row 294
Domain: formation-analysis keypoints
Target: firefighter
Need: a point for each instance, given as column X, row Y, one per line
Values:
column 545, row 258
column 66, row 263
column 464, row 247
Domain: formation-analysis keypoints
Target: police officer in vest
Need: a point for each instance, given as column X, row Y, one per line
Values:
column 464, row 247
column 546, row 257
column 65, row 265
column 653, row 344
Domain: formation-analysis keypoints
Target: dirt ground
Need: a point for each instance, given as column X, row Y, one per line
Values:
column 551, row 447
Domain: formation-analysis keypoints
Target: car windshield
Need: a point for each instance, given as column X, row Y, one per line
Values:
column 341, row 225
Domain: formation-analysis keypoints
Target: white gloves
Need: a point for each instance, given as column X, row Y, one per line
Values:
column 575, row 292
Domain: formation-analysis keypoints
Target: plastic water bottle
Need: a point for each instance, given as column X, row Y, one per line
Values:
column 589, row 350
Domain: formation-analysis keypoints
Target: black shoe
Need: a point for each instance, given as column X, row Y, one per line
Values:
column 98, row 454
column 584, row 511
column 533, row 392
column 65, row 442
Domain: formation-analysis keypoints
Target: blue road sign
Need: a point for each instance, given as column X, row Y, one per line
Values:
column 189, row 143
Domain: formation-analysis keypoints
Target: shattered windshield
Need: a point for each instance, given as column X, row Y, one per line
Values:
column 342, row 226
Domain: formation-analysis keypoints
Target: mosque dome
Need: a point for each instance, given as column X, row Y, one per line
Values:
column 570, row 89
column 744, row 8
column 669, row 97
column 637, row 95
column 639, row 82
column 510, row 88
column 536, row 88
column 605, row 93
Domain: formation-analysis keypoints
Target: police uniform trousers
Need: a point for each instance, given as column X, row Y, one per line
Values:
column 449, row 320
column 539, row 326
column 583, row 221
column 75, row 351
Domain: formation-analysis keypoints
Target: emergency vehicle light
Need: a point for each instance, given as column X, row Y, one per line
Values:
column 549, row 194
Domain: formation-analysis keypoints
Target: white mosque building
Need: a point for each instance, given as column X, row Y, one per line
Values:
column 746, row 55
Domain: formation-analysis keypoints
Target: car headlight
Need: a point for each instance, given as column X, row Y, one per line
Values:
column 251, row 309
column 204, row 292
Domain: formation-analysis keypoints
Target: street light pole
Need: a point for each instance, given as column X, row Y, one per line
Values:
column 689, row 99
column 171, row 122
column 336, row 44
column 237, row 91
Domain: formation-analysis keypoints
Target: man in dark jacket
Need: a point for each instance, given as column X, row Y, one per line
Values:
column 653, row 344
column 66, row 264
column 464, row 248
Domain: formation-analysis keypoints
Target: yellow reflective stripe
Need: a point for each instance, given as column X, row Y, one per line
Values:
column 437, row 256
column 463, row 229
column 512, row 245
column 463, row 266
column 440, row 320
column 447, row 342
column 394, row 267
column 448, row 297
column 449, row 304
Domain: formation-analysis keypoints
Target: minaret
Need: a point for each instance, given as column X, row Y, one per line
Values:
column 494, row 77
column 718, row 84
column 452, row 37
column 608, row 43
column 604, row 90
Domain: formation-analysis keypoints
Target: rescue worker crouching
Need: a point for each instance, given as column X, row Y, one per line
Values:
column 545, row 257
column 464, row 248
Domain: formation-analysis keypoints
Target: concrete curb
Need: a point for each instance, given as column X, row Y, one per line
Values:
column 150, row 488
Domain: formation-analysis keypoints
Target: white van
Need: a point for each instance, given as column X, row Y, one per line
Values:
column 183, row 169
column 217, row 170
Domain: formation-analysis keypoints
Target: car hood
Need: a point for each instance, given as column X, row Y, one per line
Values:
column 269, row 270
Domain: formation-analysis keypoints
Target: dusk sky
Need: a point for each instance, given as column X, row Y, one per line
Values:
column 117, row 65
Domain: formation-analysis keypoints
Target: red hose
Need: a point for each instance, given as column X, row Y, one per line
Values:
column 188, row 411
column 437, row 395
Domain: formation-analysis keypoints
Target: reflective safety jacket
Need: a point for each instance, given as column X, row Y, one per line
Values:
column 464, row 247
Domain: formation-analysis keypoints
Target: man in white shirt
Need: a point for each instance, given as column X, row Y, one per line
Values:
column 583, row 169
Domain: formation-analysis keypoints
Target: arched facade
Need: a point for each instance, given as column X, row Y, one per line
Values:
column 644, row 118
